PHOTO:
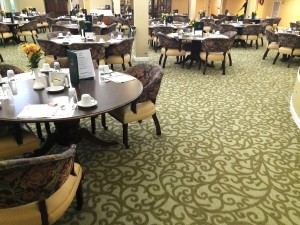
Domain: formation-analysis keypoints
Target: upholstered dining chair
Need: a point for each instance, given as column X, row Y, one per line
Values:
column 55, row 27
column 50, row 22
column 16, row 139
column 119, row 53
column 5, row 34
column 289, row 44
column 28, row 29
column 251, row 33
column 232, row 36
column 170, row 47
column 109, row 29
column 214, row 49
column 272, row 42
column 97, row 50
column 226, row 27
column 143, row 107
column 64, row 63
column 155, row 31
column 52, row 49
column 39, row 190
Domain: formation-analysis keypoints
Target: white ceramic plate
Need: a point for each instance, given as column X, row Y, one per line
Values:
column 87, row 106
column 109, row 71
column 55, row 88
column 60, row 36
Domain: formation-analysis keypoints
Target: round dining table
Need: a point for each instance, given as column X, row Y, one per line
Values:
column 109, row 95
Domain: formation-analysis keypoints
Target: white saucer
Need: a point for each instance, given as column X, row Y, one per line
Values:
column 87, row 106
column 60, row 36
column 46, row 71
column 55, row 88
column 109, row 71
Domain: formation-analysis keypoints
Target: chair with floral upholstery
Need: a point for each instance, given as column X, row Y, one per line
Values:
column 5, row 34
column 206, row 24
column 52, row 49
column 109, row 29
column 119, row 53
column 144, row 106
column 232, row 36
column 170, row 47
column 214, row 49
column 97, row 50
column 60, row 28
column 289, row 44
column 28, row 29
column 272, row 42
column 155, row 31
column 16, row 139
column 64, row 63
column 251, row 33
column 39, row 190
column 226, row 27
column 50, row 22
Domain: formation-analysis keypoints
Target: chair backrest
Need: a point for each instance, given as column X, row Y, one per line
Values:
column 252, row 29
column 164, row 30
column 97, row 50
column 29, row 180
column 52, row 48
column 122, row 48
column 4, row 67
column 30, row 26
column 168, row 42
column 206, row 22
column 288, row 40
column 231, row 35
column 216, row 44
column 56, row 27
column 109, row 29
column 50, row 21
column 4, row 28
column 271, row 36
column 150, row 76
column 226, row 27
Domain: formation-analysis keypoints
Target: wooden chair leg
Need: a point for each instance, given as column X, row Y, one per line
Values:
column 157, row 125
column 130, row 64
column 39, row 131
column 165, row 59
column 276, row 57
column 160, row 58
column 43, row 211
column 103, row 121
column 230, row 59
column 123, row 66
column 125, row 135
column 79, row 197
column 266, row 53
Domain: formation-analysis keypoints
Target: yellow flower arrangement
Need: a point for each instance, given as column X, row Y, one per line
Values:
column 192, row 22
column 34, row 54
column 2, row 12
column 164, row 16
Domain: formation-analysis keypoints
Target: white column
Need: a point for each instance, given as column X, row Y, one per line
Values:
column 117, row 7
column 192, row 9
column 252, row 7
column 141, row 15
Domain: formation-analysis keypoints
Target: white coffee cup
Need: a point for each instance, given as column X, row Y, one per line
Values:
column 87, row 100
column 10, row 74
column 105, row 69
column 119, row 36
column 60, row 34
column 46, row 67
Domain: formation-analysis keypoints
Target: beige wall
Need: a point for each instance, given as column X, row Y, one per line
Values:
column 39, row 5
column 232, row 6
column 94, row 4
column 181, row 5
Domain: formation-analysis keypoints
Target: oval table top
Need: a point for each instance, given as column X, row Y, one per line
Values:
column 109, row 95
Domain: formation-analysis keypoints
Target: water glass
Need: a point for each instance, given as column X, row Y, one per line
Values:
column 72, row 96
column 10, row 75
column 56, row 66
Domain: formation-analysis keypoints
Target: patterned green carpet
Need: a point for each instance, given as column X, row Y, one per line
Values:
column 228, row 153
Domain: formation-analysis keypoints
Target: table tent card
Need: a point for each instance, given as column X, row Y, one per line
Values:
column 80, row 65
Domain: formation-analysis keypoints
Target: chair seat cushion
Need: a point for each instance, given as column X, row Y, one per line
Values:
column 206, row 29
column 212, row 56
column 288, row 51
column 173, row 52
column 273, row 45
column 9, row 146
column 56, row 204
column 27, row 33
column 117, row 59
column 6, row 35
column 250, row 37
column 125, row 115
column 124, row 27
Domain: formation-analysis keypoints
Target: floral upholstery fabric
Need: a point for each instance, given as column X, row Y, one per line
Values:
column 253, row 29
column 168, row 42
column 56, row 27
column 30, row 26
column 150, row 76
column 271, row 36
column 4, row 28
column 52, row 48
column 97, row 50
column 288, row 40
column 4, row 67
column 226, row 27
column 206, row 22
column 122, row 48
column 33, row 179
column 216, row 45
column 109, row 29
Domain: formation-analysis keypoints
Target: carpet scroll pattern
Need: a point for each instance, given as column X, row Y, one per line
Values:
column 228, row 153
